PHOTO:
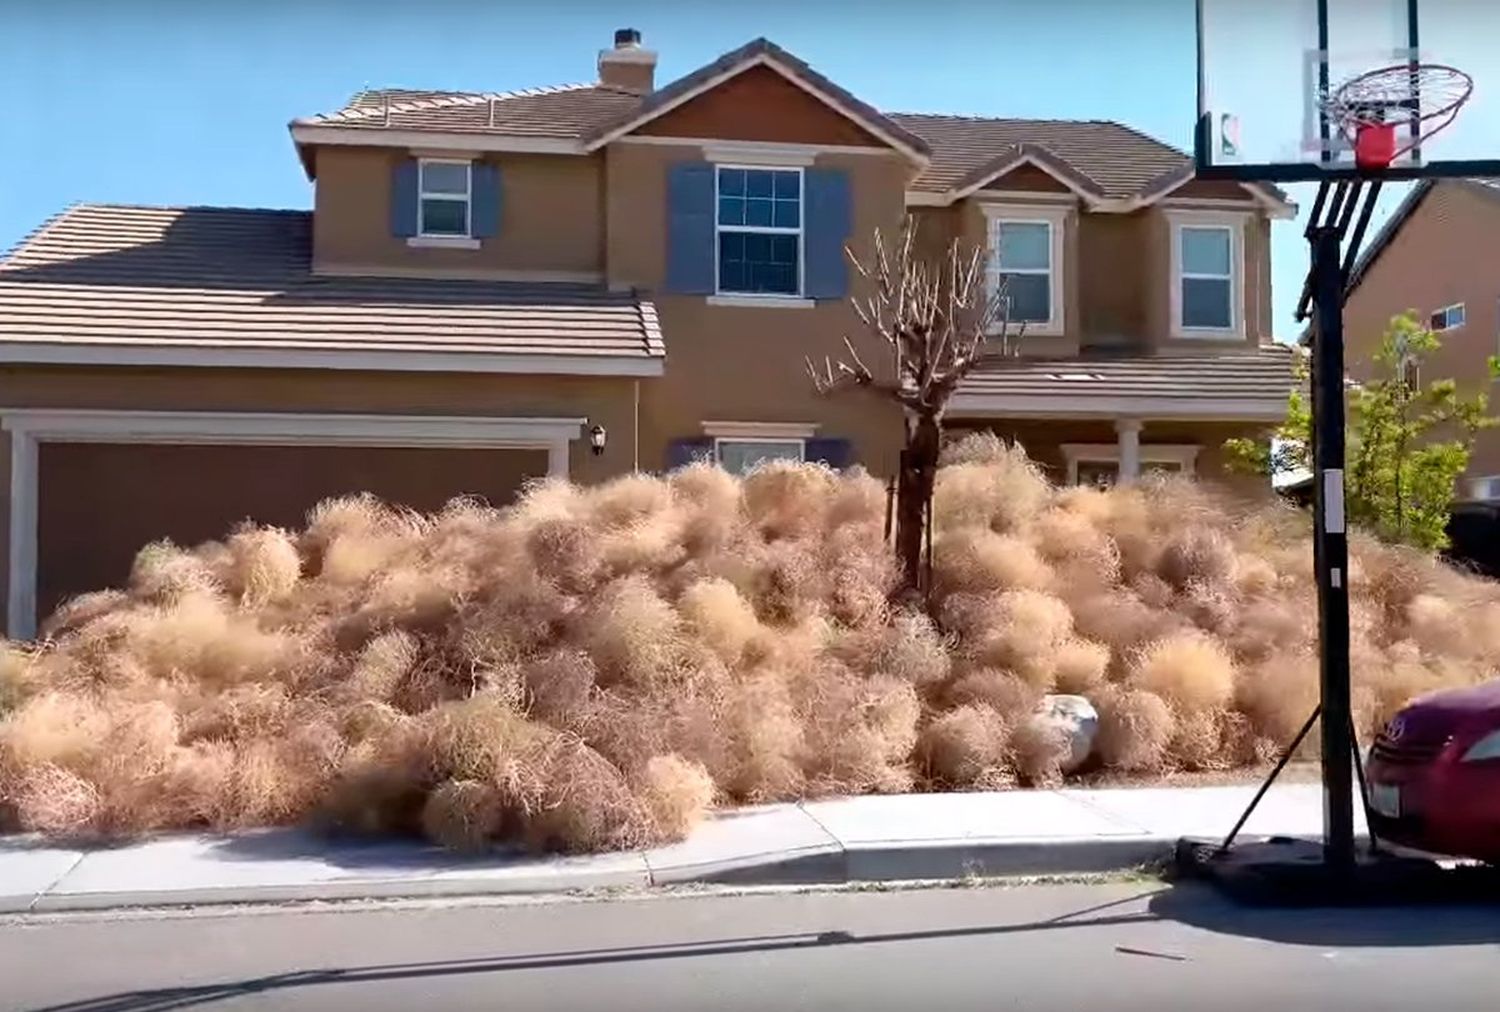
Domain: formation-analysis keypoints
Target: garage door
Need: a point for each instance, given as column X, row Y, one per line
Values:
column 99, row 503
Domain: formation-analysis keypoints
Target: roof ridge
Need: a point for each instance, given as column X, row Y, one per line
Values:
column 86, row 205
column 38, row 232
column 972, row 117
column 450, row 100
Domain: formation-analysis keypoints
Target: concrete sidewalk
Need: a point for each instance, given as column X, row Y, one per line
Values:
column 865, row 839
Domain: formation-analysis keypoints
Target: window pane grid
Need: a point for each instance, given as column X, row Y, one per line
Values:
column 1021, row 265
column 758, row 217
column 443, row 197
column 1206, row 294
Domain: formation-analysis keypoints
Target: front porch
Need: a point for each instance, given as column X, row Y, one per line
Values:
column 1102, row 421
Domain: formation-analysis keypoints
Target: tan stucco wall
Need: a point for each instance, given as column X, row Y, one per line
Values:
column 1447, row 252
column 729, row 363
column 551, row 216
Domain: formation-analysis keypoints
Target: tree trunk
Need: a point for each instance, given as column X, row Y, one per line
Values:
column 913, row 492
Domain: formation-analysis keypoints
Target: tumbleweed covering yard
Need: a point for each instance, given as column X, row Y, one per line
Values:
column 595, row 667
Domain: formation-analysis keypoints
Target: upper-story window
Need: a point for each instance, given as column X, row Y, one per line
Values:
column 1207, row 277
column 1025, row 263
column 1448, row 317
column 759, row 222
column 1207, row 267
column 445, row 189
column 1023, row 257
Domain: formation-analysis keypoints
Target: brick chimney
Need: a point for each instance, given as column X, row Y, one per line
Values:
column 627, row 66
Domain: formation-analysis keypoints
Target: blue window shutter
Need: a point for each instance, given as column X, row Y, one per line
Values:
column 690, row 229
column 682, row 452
column 484, row 208
column 404, row 197
column 829, row 218
column 836, row 453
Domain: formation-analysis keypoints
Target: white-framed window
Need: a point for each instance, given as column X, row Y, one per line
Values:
column 1098, row 464
column 444, row 192
column 1448, row 317
column 1207, row 274
column 739, row 456
column 758, row 225
column 1026, row 258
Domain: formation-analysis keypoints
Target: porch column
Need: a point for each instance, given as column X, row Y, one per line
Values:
column 1129, row 432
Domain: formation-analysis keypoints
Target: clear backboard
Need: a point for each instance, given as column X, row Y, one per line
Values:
column 1294, row 90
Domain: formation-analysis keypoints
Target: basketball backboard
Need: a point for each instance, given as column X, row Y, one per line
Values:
column 1267, row 68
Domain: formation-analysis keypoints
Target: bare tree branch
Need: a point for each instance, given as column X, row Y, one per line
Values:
column 938, row 319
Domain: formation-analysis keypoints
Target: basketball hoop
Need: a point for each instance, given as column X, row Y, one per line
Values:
column 1371, row 108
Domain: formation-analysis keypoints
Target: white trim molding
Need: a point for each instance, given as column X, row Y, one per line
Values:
column 442, row 242
column 1184, row 455
column 758, row 60
column 1234, row 223
column 29, row 428
column 366, row 359
column 749, row 300
column 1161, row 408
column 375, row 135
column 760, row 430
column 959, row 193
column 759, row 155
column 766, row 149
column 1056, row 220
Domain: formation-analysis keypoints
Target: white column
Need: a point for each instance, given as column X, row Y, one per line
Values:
column 1129, row 432
column 557, row 459
column 21, row 587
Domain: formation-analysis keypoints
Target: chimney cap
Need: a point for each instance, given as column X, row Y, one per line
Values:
column 627, row 38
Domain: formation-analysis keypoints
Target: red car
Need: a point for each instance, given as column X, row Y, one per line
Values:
column 1434, row 774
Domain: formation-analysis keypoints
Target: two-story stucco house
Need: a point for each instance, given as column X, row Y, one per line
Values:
column 1438, row 256
column 588, row 279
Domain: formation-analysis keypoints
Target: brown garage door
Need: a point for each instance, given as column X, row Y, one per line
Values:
column 99, row 503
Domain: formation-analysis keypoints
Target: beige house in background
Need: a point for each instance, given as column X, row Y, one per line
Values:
column 489, row 284
column 1438, row 256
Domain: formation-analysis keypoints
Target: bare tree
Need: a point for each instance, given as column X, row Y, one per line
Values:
column 937, row 320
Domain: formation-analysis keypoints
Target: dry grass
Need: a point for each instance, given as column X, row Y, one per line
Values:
column 597, row 667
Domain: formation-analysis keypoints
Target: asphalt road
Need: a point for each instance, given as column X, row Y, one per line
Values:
column 1065, row 947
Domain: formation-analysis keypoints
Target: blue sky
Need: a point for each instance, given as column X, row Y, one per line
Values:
column 179, row 102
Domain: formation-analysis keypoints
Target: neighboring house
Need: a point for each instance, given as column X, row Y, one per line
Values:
column 1438, row 256
column 489, row 284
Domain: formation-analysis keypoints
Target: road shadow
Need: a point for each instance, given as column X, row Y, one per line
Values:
column 1199, row 905
column 1115, row 912
column 1192, row 904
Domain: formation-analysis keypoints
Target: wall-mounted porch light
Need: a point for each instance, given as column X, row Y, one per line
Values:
column 597, row 438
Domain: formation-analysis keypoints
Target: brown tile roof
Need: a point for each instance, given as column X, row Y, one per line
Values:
column 567, row 111
column 1205, row 385
column 241, row 279
column 1116, row 160
column 1103, row 158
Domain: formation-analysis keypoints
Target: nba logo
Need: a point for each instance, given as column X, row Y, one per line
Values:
column 1229, row 136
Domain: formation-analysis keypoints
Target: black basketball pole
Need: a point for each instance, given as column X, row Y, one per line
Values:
column 1330, row 541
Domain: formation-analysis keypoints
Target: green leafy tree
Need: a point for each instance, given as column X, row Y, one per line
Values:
column 1408, row 443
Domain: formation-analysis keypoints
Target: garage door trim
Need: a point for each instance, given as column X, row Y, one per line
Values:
column 30, row 427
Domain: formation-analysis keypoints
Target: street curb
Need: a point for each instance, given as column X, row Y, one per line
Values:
column 880, row 862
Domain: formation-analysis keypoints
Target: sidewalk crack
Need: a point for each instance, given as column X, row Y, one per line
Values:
column 31, row 907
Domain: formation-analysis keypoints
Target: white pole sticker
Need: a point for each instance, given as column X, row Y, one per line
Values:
column 1333, row 500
